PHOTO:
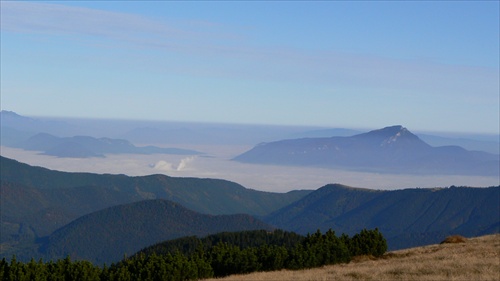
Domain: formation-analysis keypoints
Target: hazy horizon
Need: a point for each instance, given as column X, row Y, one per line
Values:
column 219, row 143
column 130, row 122
column 218, row 165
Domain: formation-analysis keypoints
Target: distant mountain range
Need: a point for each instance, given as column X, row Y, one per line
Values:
column 19, row 127
column 85, row 146
column 389, row 150
column 52, row 214
column 16, row 128
column 487, row 143
column 29, row 134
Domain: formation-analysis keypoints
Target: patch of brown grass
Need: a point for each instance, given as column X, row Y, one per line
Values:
column 478, row 259
column 454, row 239
column 363, row 258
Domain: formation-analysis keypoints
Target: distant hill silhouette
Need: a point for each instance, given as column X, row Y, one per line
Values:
column 407, row 218
column 17, row 128
column 85, row 146
column 389, row 150
column 486, row 145
column 105, row 236
column 34, row 134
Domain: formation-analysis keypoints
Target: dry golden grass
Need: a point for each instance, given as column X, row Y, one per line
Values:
column 476, row 259
column 454, row 239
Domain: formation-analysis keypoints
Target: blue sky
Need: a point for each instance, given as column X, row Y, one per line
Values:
column 427, row 65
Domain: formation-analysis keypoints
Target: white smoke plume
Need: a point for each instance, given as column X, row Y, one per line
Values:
column 184, row 162
column 163, row 166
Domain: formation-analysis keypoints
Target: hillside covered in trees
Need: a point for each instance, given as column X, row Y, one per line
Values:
column 37, row 201
column 407, row 217
column 106, row 236
column 232, row 253
column 46, row 214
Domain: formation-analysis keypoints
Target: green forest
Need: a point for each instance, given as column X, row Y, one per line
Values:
column 219, row 255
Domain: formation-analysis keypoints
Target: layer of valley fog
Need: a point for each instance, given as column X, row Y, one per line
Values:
column 216, row 163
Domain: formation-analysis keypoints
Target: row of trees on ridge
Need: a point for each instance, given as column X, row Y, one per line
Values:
column 232, row 254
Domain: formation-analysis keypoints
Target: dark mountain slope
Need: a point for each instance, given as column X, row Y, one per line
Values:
column 45, row 210
column 211, row 196
column 36, row 201
column 43, row 178
column 425, row 215
column 390, row 150
column 106, row 235
column 331, row 201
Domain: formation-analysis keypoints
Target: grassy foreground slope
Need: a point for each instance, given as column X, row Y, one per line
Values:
column 476, row 259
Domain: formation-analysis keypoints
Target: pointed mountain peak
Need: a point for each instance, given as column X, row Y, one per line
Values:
column 6, row 115
column 392, row 130
column 391, row 135
column 388, row 132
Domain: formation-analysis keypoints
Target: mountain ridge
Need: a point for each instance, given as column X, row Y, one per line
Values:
column 86, row 146
column 36, row 201
column 425, row 215
column 105, row 236
column 391, row 149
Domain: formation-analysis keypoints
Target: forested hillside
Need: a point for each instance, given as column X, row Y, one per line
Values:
column 211, row 196
column 407, row 217
column 107, row 235
column 243, row 239
column 36, row 201
column 233, row 253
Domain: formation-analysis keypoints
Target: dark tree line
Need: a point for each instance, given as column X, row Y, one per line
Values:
column 230, row 253
column 243, row 239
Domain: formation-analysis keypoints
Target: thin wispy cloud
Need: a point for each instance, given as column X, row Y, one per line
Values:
column 236, row 60
column 55, row 19
column 62, row 19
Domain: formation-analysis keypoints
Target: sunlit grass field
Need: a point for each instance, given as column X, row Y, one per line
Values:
column 476, row 259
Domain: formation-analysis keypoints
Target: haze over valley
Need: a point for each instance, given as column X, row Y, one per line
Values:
column 207, row 151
